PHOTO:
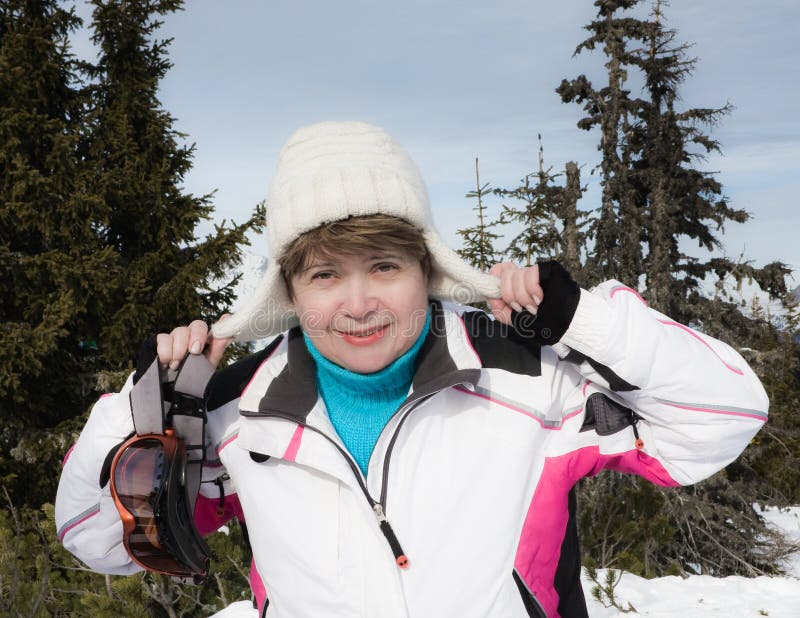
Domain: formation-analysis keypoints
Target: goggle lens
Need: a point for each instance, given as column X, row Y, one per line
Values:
column 143, row 471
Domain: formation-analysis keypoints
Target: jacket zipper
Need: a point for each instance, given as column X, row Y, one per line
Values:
column 377, row 507
column 389, row 449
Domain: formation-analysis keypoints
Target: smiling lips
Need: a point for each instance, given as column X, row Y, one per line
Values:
column 365, row 338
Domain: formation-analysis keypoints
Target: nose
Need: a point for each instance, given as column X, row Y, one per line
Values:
column 360, row 300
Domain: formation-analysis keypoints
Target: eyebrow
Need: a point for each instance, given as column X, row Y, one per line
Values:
column 385, row 256
column 317, row 265
column 371, row 258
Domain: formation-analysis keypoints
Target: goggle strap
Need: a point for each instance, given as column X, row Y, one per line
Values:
column 194, row 473
column 147, row 402
column 191, row 430
column 149, row 411
column 194, row 375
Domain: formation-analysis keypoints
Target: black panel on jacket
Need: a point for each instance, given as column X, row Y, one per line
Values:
column 293, row 392
column 606, row 416
column 433, row 360
column 615, row 383
column 532, row 605
column 571, row 602
column 555, row 313
column 227, row 384
column 500, row 347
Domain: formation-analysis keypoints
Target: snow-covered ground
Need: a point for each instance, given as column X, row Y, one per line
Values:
column 696, row 596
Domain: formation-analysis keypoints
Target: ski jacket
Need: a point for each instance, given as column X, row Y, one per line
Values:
column 471, row 478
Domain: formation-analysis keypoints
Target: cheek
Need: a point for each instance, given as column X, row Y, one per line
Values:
column 412, row 304
column 312, row 311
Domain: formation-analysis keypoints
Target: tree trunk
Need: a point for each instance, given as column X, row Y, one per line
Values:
column 571, row 240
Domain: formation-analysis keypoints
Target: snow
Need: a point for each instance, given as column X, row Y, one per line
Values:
column 701, row 595
column 240, row 609
column 695, row 596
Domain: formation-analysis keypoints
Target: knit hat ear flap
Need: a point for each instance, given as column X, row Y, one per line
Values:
column 266, row 312
column 452, row 278
column 331, row 171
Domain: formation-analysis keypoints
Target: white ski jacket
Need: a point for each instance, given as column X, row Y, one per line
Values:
column 473, row 473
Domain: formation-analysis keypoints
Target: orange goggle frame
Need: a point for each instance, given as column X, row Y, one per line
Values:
column 148, row 484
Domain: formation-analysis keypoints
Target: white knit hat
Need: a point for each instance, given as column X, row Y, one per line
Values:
column 331, row 171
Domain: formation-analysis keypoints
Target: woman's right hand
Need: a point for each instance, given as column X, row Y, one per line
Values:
column 194, row 339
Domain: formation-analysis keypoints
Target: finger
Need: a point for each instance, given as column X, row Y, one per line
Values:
column 217, row 346
column 164, row 349
column 198, row 334
column 216, row 349
column 500, row 306
column 521, row 294
column 500, row 310
column 180, row 346
column 501, row 267
column 534, row 285
column 507, row 292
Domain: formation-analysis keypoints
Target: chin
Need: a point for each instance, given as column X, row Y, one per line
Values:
column 365, row 361
column 365, row 366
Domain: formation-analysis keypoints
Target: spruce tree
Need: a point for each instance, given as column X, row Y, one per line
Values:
column 650, row 176
column 535, row 206
column 478, row 249
column 617, row 230
column 574, row 221
column 654, row 193
column 50, row 259
column 161, row 275
column 97, row 251
column 680, row 201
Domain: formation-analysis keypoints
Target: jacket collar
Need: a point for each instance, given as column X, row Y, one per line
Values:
column 445, row 359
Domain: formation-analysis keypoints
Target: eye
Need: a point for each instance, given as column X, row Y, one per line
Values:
column 385, row 267
column 322, row 275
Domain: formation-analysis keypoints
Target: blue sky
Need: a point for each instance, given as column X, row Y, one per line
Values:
column 457, row 80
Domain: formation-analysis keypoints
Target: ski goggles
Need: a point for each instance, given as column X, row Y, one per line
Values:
column 148, row 484
column 155, row 475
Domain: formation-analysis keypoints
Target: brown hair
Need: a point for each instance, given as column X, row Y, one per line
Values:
column 352, row 236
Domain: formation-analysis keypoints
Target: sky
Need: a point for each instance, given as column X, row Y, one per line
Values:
column 453, row 81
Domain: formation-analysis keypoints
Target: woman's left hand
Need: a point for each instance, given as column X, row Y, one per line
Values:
column 520, row 290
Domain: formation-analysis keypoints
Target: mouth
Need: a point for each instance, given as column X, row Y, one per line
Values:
column 364, row 337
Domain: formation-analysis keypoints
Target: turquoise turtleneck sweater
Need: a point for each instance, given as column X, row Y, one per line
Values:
column 360, row 404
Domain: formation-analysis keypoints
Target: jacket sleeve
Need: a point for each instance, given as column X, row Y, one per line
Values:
column 88, row 523
column 87, row 520
column 649, row 395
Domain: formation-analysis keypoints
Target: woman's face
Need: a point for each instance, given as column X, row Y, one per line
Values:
column 362, row 312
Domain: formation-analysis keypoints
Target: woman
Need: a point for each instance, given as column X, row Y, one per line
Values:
column 396, row 455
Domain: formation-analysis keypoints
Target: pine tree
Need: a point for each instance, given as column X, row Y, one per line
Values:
column 617, row 230
column 679, row 199
column 537, row 214
column 573, row 222
column 653, row 193
column 478, row 249
column 161, row 275
column 653, row 196
column 50, row 260
column 97, row 250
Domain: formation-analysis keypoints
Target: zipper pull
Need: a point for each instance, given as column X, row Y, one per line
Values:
column 638, row 442
column 397, row 550
column 221, row 504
